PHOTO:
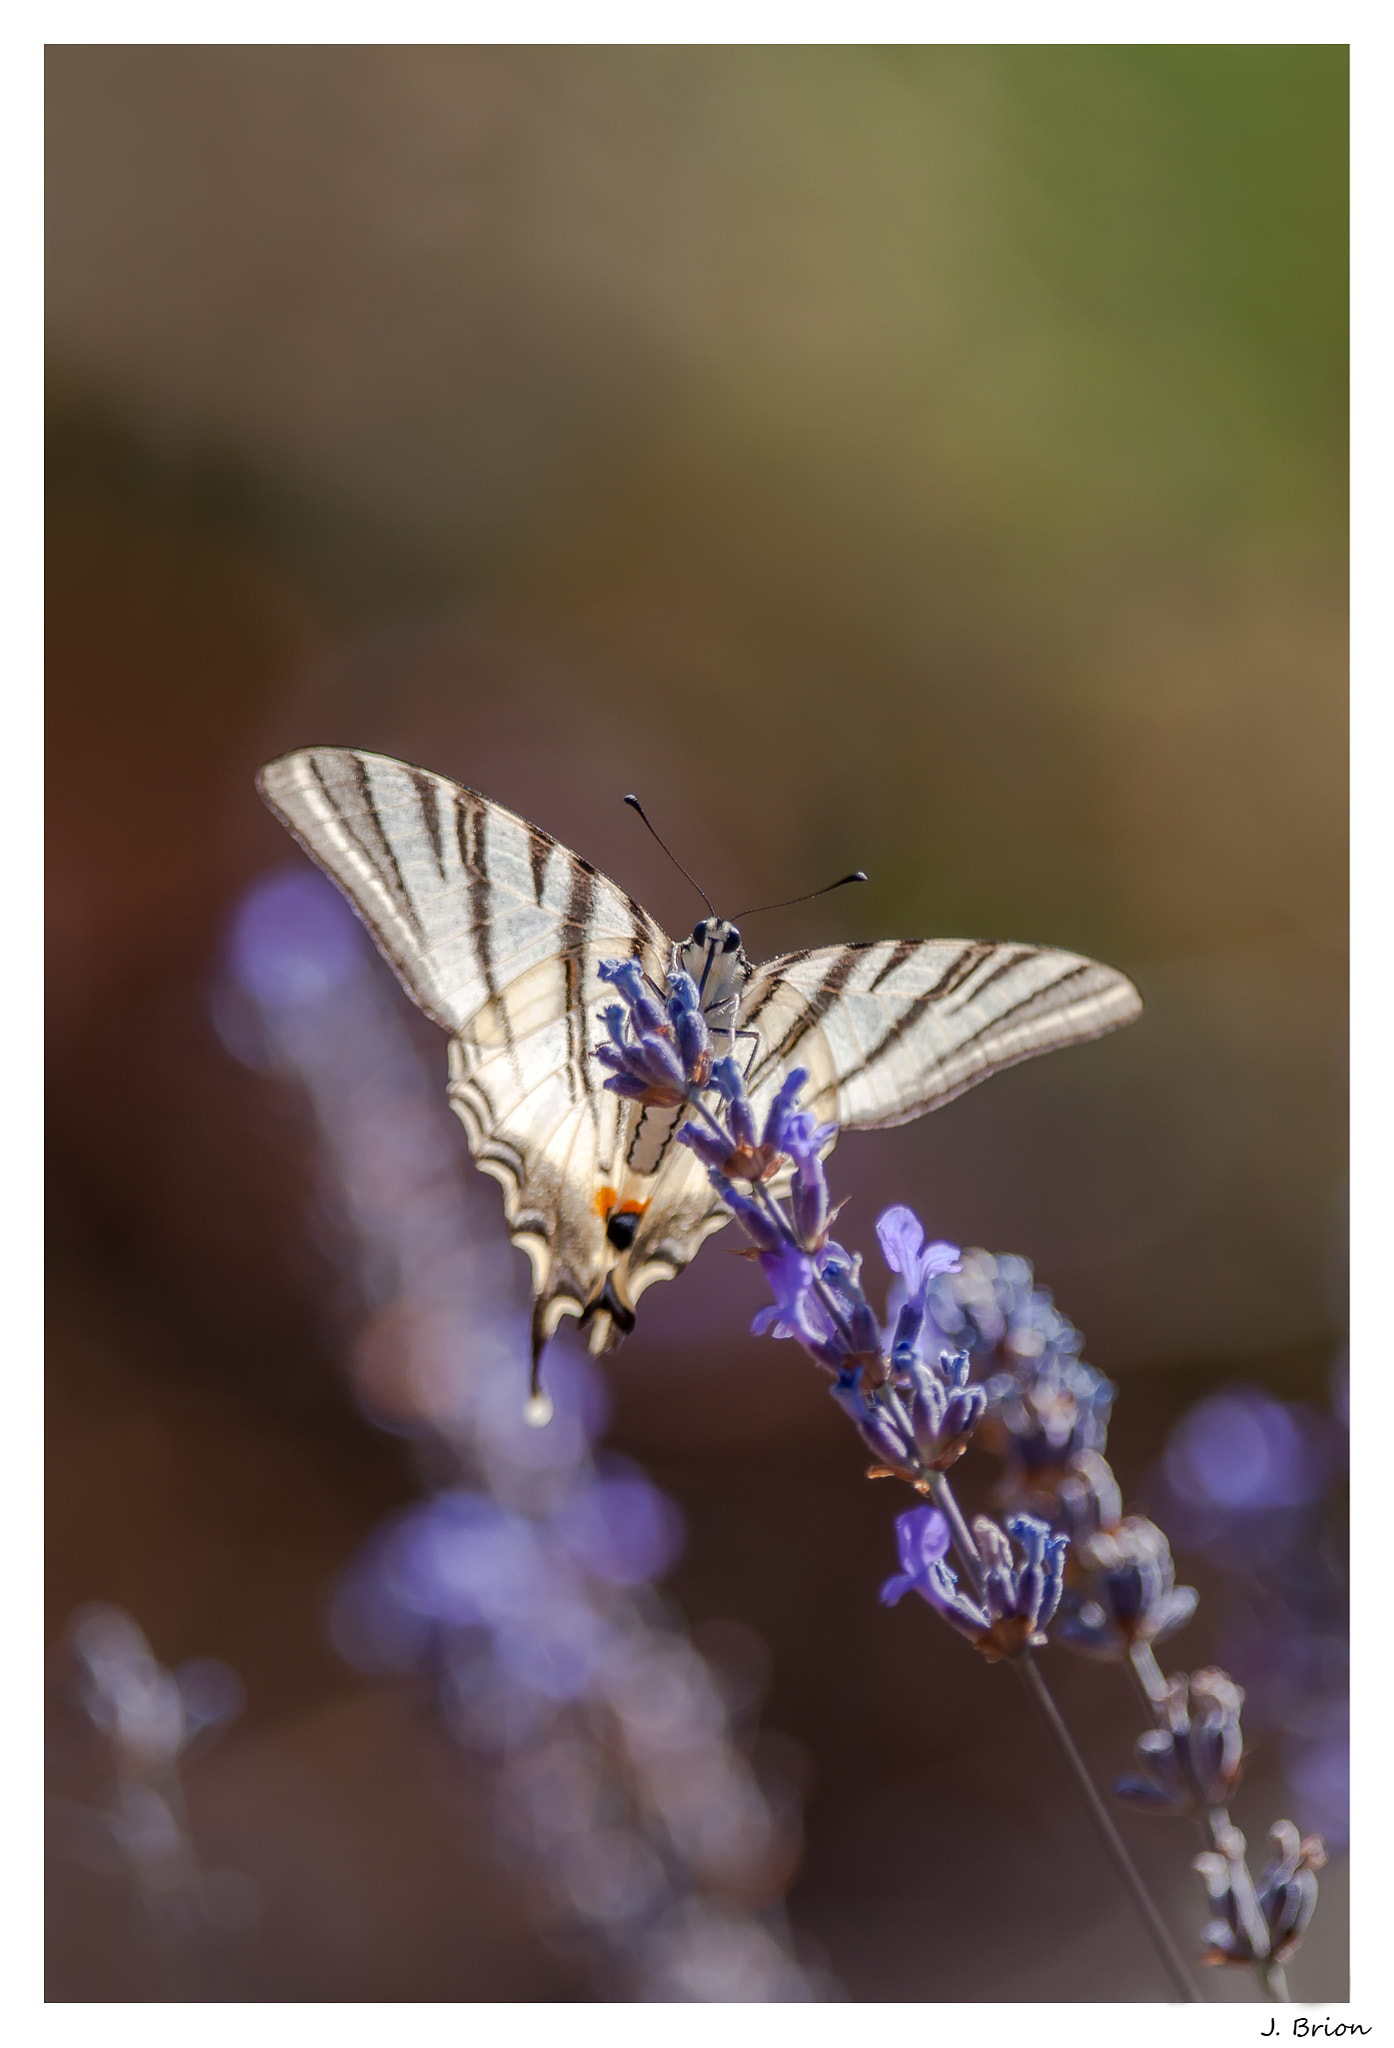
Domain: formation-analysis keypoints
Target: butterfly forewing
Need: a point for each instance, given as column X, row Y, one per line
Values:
column 891, row 1029
column 462, row 896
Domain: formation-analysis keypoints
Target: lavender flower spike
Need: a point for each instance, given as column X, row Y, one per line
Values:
column 883, row 1422
column 1196, row 1757
column 742, row 1151
column 650, row 1061
column 944, row 1409
column 1129, row 1594
column 1018, row 1600
column 1287, row 1897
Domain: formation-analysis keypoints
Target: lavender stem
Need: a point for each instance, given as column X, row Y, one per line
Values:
column 1027, row 1670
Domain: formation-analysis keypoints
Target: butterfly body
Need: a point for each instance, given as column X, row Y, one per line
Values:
column 498, row 932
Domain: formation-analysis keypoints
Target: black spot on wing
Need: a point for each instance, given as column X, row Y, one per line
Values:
column 621, row 1228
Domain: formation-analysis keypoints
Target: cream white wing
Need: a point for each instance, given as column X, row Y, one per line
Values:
column 891, row 1029
column 498, row 932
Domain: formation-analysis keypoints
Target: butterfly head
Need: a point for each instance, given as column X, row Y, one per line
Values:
column 713, row 957
column 713, row 935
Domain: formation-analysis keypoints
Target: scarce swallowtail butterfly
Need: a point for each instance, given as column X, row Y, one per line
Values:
column 497, row 931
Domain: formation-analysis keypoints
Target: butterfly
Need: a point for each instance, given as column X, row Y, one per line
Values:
column 498, row 931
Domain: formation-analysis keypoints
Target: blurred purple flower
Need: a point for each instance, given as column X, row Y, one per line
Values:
column 294, row 941
column 1128, row 1594
column 1243, row 1450
column 621, row 1529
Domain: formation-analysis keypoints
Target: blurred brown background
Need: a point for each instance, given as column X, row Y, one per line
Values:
column 925, row 459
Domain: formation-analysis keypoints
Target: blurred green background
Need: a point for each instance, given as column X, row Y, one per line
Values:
column 926, row 459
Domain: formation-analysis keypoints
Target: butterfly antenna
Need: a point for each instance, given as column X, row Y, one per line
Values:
column 841, row 883
column 635, row 805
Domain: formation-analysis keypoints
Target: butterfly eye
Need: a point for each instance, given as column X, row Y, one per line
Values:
column 733, row 940
column 699, row 933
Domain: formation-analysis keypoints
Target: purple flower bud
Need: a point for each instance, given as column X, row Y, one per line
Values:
column 1017, row 1599
column 713, row 1151
column 1196, row 1757
column 1128, row 1593
column 882, row 1422
column 627, row 1086
column 740, row 1117
column 784, row 1108
column 809, row 1201
column 689, row 1025
column 841, row 1275
column 661, row 1061
column 758, row 1226
column 628, row 977
column 944, row 1410
column 798, row 1307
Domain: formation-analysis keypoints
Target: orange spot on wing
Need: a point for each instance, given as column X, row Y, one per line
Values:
column 633, row 1208
column 605, row 1200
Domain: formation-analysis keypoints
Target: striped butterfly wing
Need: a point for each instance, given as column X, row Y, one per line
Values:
column 497, row 932
column 891, row 1029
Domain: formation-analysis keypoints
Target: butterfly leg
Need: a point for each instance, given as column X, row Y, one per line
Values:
column 754, row 1036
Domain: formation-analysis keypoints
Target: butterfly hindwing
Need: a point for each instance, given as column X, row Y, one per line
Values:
column 893, row 1028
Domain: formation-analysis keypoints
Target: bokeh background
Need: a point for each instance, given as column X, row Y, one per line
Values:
column 925, row 459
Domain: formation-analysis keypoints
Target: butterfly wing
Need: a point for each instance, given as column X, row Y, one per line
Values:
column 891, row 1029
column 497, row 932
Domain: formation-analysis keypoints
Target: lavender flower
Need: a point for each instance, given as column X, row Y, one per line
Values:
column 944, row 1409
column 653, row 1058
column 1287, row 1897
column 1018, row 1599
column 818, row 1300
column 1196, row 1757
column 1129, row 1595
column 733, row 1147
column 1042, row 1417
column 885, row 1427
column 1087, row 1500
column 906, row 1383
